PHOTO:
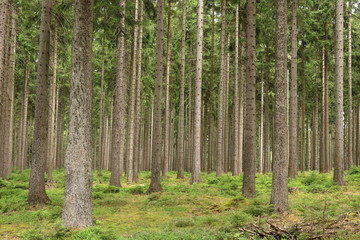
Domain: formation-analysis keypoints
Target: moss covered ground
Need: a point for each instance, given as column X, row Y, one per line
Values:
column 213, row 209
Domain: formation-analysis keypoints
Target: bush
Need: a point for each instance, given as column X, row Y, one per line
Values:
column 184, row 222
column 136, row 190
column 240, row 219
column 94, row 233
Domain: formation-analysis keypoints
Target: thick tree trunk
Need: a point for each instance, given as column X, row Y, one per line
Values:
column 155, row 185
column 221, row 103
column 279, row 193
column 78, row 176
column 7, row 100
column 249, row 167
column 293, row 138
column 181, row 155
column 196, row 169
column 339, row 95
column 39, row 150
column 118, row 133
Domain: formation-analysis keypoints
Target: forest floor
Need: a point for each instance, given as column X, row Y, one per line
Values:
column 213, row 209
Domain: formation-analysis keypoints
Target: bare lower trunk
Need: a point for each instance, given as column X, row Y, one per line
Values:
column 339, row 97
column 155, row 185
column 37, row 182
column 279, row 193
column 78, row 176
column 249, row 168
column 118, row 133
column 196, row 169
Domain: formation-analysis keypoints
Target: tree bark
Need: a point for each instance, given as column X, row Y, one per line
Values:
column 78, row 176
column 196, row 169
column 279, row 193
column 181, row 155
column 155, row 185
column 118, row 133
column 166, row 159
column 350, row 117
column 37, row 192
column 249, row 167
column 293, row 138
column 339, row 97
column 221, row 103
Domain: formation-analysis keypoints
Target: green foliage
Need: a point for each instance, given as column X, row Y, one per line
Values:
column 32, row 234
column 184, row 222
column 94, row 233
column 239, row 219
column 136, row 190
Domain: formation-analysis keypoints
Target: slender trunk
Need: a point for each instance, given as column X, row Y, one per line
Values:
column 23, row 119
column 118, row 133
column 279, row 193
column 165, row 164
column 196, row 169
column 314, row 157
column 52, row 109
column 236, row 170
column 138, row 95
column 249, row 167
column 339, row 95
column 131, row 120
column 266, row 132
column 350, row 126
column 180, row 157
column 221, row 104
column 155, row 185
column 37, row 192
column 293, row 138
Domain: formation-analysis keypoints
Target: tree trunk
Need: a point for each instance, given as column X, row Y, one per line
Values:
column 351, row 124
column 293, row 138
column 8, row 94
column 131, row 119
column 266, row 132
column 196, row 169
column 78, row 176
column 314, row 157
column 221, row 104
column 181, row 155
column 339, row 97
column 37, row 192
column 279, row 193
column 137, row 158
column 236, row 170
column 249, row 167
column 118, row 133
column 165, row 164
column 155, row 185
column 23, row 119
column 52, row 109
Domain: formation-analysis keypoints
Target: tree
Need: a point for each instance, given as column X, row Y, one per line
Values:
column 180, row 162
column 118, row 133
column 249, row 168
column 167, row 96
column 293, row 138
column 195, row 176
column 339, row 97
column 350, row 116
column 78, row 159
column 221, row 95
column 37, row 192
column 279, row 193
column 155, row 185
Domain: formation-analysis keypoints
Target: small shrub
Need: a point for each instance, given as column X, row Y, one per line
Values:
column 32, row 234
column 98, row 195
column 136, row 190
column 111, row 189
column 94, row 233
column 240, row 219
column 354, row 170
column 184, row 222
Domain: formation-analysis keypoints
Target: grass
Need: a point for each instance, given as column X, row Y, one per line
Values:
column 213, row 209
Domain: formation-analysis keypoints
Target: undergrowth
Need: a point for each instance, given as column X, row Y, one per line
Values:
column 213, row 209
